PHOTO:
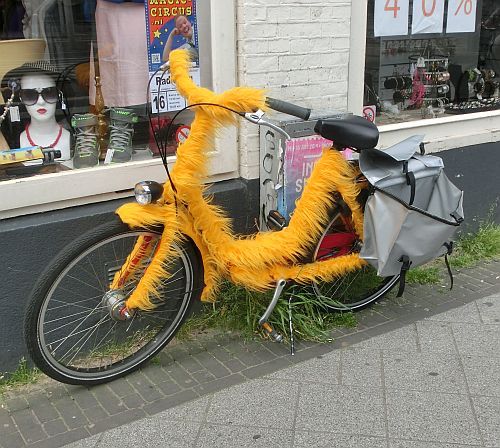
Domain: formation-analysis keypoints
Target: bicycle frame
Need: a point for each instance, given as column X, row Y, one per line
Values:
column 259, row 261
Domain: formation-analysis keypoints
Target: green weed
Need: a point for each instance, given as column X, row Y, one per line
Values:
column 238, row 310
column 23, row 375
column 472, row 248
column 424, row 275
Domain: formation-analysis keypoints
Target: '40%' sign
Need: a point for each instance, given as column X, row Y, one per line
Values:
column 392, row 17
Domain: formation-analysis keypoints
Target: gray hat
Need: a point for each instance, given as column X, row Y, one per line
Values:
column 17, row 73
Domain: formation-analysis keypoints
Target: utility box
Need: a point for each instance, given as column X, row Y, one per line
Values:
column 285, row 166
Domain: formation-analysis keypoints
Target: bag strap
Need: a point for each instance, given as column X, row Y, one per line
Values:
column 410, row 180
column 402, row 275
column 449, row 246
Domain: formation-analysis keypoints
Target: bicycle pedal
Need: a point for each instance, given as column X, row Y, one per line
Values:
column 275, row 220
column 272, row 333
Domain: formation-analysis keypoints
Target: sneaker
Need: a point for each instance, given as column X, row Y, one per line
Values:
column 86, row 146
column 122, row 130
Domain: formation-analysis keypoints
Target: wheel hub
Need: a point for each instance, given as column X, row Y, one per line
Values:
column 114, row 301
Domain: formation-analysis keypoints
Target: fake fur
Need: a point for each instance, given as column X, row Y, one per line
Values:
column 256, row 262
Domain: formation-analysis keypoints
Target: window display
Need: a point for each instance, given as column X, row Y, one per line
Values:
column 75, row 87
column 444, row 63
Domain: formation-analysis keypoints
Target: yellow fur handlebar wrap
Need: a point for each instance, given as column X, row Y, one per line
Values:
column 240, row 99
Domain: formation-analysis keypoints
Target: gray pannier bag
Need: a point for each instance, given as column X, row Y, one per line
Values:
column 413, row 212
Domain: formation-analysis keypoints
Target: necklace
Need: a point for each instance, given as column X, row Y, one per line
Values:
column 52, row 145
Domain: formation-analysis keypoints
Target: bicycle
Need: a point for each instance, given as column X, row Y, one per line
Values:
column 114, row 298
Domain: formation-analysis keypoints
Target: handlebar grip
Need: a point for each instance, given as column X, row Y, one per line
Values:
column 288, row 108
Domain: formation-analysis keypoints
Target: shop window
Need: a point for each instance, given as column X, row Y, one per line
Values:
column 74, row 79
column 432, row 58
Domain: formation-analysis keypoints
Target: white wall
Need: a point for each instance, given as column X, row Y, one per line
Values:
column 299, row 51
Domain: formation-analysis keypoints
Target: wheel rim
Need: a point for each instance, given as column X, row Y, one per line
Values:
column 353, row 290
column 76, row 332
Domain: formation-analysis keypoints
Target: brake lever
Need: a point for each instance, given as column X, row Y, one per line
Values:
column 257, row 118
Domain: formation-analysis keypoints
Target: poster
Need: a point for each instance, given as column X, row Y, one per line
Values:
column 428, row 16
column 391, row 17
column 170, row 25
column 461, row 16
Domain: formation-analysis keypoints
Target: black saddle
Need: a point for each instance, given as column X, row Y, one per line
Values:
column 350, row 132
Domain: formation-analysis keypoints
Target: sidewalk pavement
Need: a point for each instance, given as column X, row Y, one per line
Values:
column 422, row 371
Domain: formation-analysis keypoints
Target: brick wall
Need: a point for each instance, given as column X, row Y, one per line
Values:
column 299, row 51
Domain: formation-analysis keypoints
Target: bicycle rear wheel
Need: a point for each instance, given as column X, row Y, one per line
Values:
column 72, row 334
column 354, row 290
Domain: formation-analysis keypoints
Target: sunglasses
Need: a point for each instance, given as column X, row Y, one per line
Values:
column 29, row 97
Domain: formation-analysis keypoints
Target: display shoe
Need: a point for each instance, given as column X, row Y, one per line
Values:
column 120, row 138
column 86, row 146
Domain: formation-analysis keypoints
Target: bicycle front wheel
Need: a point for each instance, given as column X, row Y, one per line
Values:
column 356, row 289
column 71, row 331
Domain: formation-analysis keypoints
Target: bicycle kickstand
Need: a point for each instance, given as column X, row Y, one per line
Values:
column 263, row 321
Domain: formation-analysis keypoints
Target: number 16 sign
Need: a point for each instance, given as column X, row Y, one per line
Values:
column 391, row 17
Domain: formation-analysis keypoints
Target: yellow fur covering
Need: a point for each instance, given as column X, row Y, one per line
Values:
column 256, row 262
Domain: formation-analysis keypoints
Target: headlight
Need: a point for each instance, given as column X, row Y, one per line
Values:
column 147, row 192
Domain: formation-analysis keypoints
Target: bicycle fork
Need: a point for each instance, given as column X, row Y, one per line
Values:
column 263, row 321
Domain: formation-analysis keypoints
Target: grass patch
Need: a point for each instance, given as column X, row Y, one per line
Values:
column 472, row 248
column 239, row 310
column 424, row 275
column 22, row 376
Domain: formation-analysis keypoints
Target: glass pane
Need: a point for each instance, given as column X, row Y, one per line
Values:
column 74, row 78
column 446, row 63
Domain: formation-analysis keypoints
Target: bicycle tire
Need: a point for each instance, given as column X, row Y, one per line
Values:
column 69, row 332
column 355, row 290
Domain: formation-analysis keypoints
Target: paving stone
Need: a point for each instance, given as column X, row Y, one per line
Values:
column 170, row 402
column 466, row 314
column 329, row 440
column 435, row 337
column 6, row 423
column 155, row 374
column 402, row 339
column 244, row 355
column 203, row 377
column 95, row 414
column 180, row 376
column 361, row 367
column 412, row 444
column 439, row 372
column 107, row 400
column 151, row 433
column 71, row 414
column 210, row 363
column 17, row 404
column 341, row 409
column 472, row 339
column 120, row 387
column 488, row 415
column 84, row 399
column 117, row 420
column 63, row 439
column 193, row 411
column 133, row 401
column 489, row 308
column 431, row 417
column 235, row 365
column 168, row 387
column 89, row 442
column 55, row 427
column 256, row 402
column 28, row 426
column 13, row 440
column 323, row 369
column 483, row 374
column 266, row 368
column 225, row 436
column 144, row 387
column 191, row 364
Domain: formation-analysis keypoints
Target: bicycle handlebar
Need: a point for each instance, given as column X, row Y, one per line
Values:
column 288, row 108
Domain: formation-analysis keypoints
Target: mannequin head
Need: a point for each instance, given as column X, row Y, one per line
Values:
column 39, row 95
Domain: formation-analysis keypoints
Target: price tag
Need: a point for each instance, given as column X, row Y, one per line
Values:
column 461, row 16
column 391, row 17
column 428, row 16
